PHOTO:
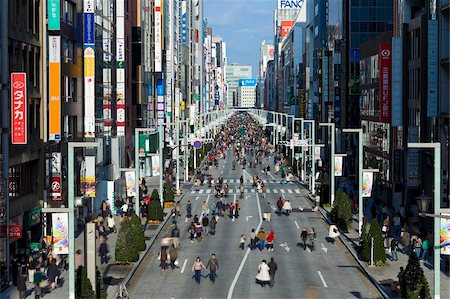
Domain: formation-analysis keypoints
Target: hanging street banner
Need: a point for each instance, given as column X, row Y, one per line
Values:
column 60, row 232
column 89, row 68
column 367, row 184
column 156, row 169
column 88, row 179
column 445, row 236
column 54, row 90
column 385, row 82
column 54, row 14
column 130, row 181
column 338, row 163
column 19, row 104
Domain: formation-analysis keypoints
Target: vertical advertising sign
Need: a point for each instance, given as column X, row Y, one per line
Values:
column 60, row 232
column 55, row 171
column 433, row 60
column 160, row 90
column 19, row 104
column 89, row 68
column 54, row 14
column 317, row 153
column 156, row 169
column 158, row 38
column 88, row 179
column 445, row 236
column 107, row 89
column 183, row 22
column 367, row 183
column 385, row 83
column 338, row 163
column 54, row 92
column 286, row 27
column 130, row 182
column 120, row 58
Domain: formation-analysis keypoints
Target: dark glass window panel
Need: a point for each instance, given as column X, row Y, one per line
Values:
column 381, row 27
column 355, row 26
column 364, row 27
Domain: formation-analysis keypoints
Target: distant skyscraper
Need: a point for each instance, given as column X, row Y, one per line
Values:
column 234, row 72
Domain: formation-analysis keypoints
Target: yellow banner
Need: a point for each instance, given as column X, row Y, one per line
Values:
column 54, row 100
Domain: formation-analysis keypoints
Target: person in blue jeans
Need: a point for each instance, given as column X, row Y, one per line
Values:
column 394, row 245
column 197, row 269
column 261, row 239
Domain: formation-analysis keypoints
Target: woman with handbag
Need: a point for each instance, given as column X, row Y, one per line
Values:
column 31, row 266
column 197, row 269
column 263, row 276
column 173, row 254
column 163, row 258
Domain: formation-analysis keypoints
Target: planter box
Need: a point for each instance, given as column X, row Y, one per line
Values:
column 168, row 205
column 154, row 222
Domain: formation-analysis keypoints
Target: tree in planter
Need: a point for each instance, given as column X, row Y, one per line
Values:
column 342, row 211
column 137, row 233
column 155, row 211
column 168, row 193
column 413, row 283
column 325, row 189
column 101, row 291
column 379, row 253
column 84, row 286
column 125, row 252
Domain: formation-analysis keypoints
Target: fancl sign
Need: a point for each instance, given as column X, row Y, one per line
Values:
column 290, row 4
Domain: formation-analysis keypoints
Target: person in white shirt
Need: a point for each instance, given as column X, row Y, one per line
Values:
column 111, row 223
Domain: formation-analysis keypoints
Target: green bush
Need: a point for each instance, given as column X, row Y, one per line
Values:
column 342, row 211
column 169, row 195
column 83, row 287
column 413, row 283
column 101, row 291
column 137, row 233
column 379, row 253
column 155, row 211
column 364, row 244
column 125, row 252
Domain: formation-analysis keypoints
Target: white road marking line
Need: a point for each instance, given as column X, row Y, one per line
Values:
column 282, row 191
column 193, row 191
column 271, row 176
column 308, row 249
column 297, row 191
column 197, row 198
column 184, row 265
column 241, row 266
column 201, row 191
column 231, row 181
column 265, row 181
column 221, row 172
column 247, row 217
column 208, row 191
column 296, row 224
column 267, row 190
column 323, row 280
column 275, row 191
column 289, row 191
column 284, row 196
column 324, row 248
column 253, row 190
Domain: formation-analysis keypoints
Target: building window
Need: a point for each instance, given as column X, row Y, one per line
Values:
column 30, row 16
column 68, row 51
column 68, row 12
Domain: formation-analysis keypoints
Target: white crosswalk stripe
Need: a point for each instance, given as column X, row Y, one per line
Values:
column 267, row 190
column 275, row 191
column 231, row 181
column 208, row 191
column 297, row 191
column 230, row 191
column 253, row 190
column 193, row 191
column 201, row 191
column 289, row 191
column 282, row 191
column 265, row 181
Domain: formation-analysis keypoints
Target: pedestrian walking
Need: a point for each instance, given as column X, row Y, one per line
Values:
column 103, row 251
column 205, row 208
column 304, row 237
column 38, row 278
column 280, row 205
column 198, row 231
column 425, row 246
column 267, row 212
column 261, row 237
column 111, row 224
column 53, row 274
column 263, row 276
column 270, row 238
column 213, row 265
column 163, row 258
column 242, row 242
column 272, row 270
column 394, row 245
column 21, row 281
column 197, row 269
column 312, row 237
column 205, row 224
column 212, row 226
column 188, row 210
column 253, row 241
column 31, row 266
column 287, row 207
column 173, row 254
column 175, row 235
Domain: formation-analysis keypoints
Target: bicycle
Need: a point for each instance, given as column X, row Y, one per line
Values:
column 122, row 292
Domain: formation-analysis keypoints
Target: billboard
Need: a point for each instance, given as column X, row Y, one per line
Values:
column 158, row 37
column 130, row 182
column 183, row 22
column 60, row 232
column 285, row 27
column 88, row 177
column 367, row 184
column 89, row 68
column 54, row 14
column 385, row 82
column 54, row 91
column 290, row 4
column 338, row 163
column 445, row 236
column 120, row 48
column 156, row 169
column 247, row 82
column 55, row 174
column 19, row 105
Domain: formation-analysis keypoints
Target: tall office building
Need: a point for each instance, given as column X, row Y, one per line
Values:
column 234, row 72
column 246, row 93
column 266, row 54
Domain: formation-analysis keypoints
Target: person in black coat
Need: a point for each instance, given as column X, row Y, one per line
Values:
column 103, row 251
column 53, row 274
column 272, row 269
column 21, row 281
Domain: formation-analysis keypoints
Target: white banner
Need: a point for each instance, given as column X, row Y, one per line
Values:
column 445, row 236
column 156, row 169
column 158, row 38
column 60, row 232
column 338, row 163
column 317, row 152
column 367, row 184
column 130, row 182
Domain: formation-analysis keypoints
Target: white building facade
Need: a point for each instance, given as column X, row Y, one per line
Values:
column 246, row 93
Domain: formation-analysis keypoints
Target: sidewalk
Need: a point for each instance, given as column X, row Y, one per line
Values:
column 383, row 277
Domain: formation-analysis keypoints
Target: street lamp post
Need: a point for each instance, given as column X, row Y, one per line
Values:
column 437, row 203
column 312, row 136
column 360, row 170
column 333, row 136
column 71, row 207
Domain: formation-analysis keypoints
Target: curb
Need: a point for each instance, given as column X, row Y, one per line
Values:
column 372, row 279
column 149, row 244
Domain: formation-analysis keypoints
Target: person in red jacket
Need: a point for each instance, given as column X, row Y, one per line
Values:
column 279, row 205
column 270, row 238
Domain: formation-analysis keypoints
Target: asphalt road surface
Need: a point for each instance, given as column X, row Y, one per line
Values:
column 326, row 272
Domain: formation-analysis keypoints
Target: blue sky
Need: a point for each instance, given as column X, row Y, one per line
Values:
column 242, row 24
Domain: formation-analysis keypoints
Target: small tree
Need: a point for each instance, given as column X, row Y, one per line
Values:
column 155, row 211
column 413, row 283
column 125, row 252
column 137, row 233
column 84, row 286
column 364, row 244
column 378, row 246
column 168, row 193
column 101, row 291
column 342, row 211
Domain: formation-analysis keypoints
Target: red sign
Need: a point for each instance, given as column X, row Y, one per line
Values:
column 286, row 27
column 15, row 231
column 19, row 108
column 385, row 83
column 55, row 187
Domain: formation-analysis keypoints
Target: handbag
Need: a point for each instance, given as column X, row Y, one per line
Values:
column 44, row 283
column 176, row 262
